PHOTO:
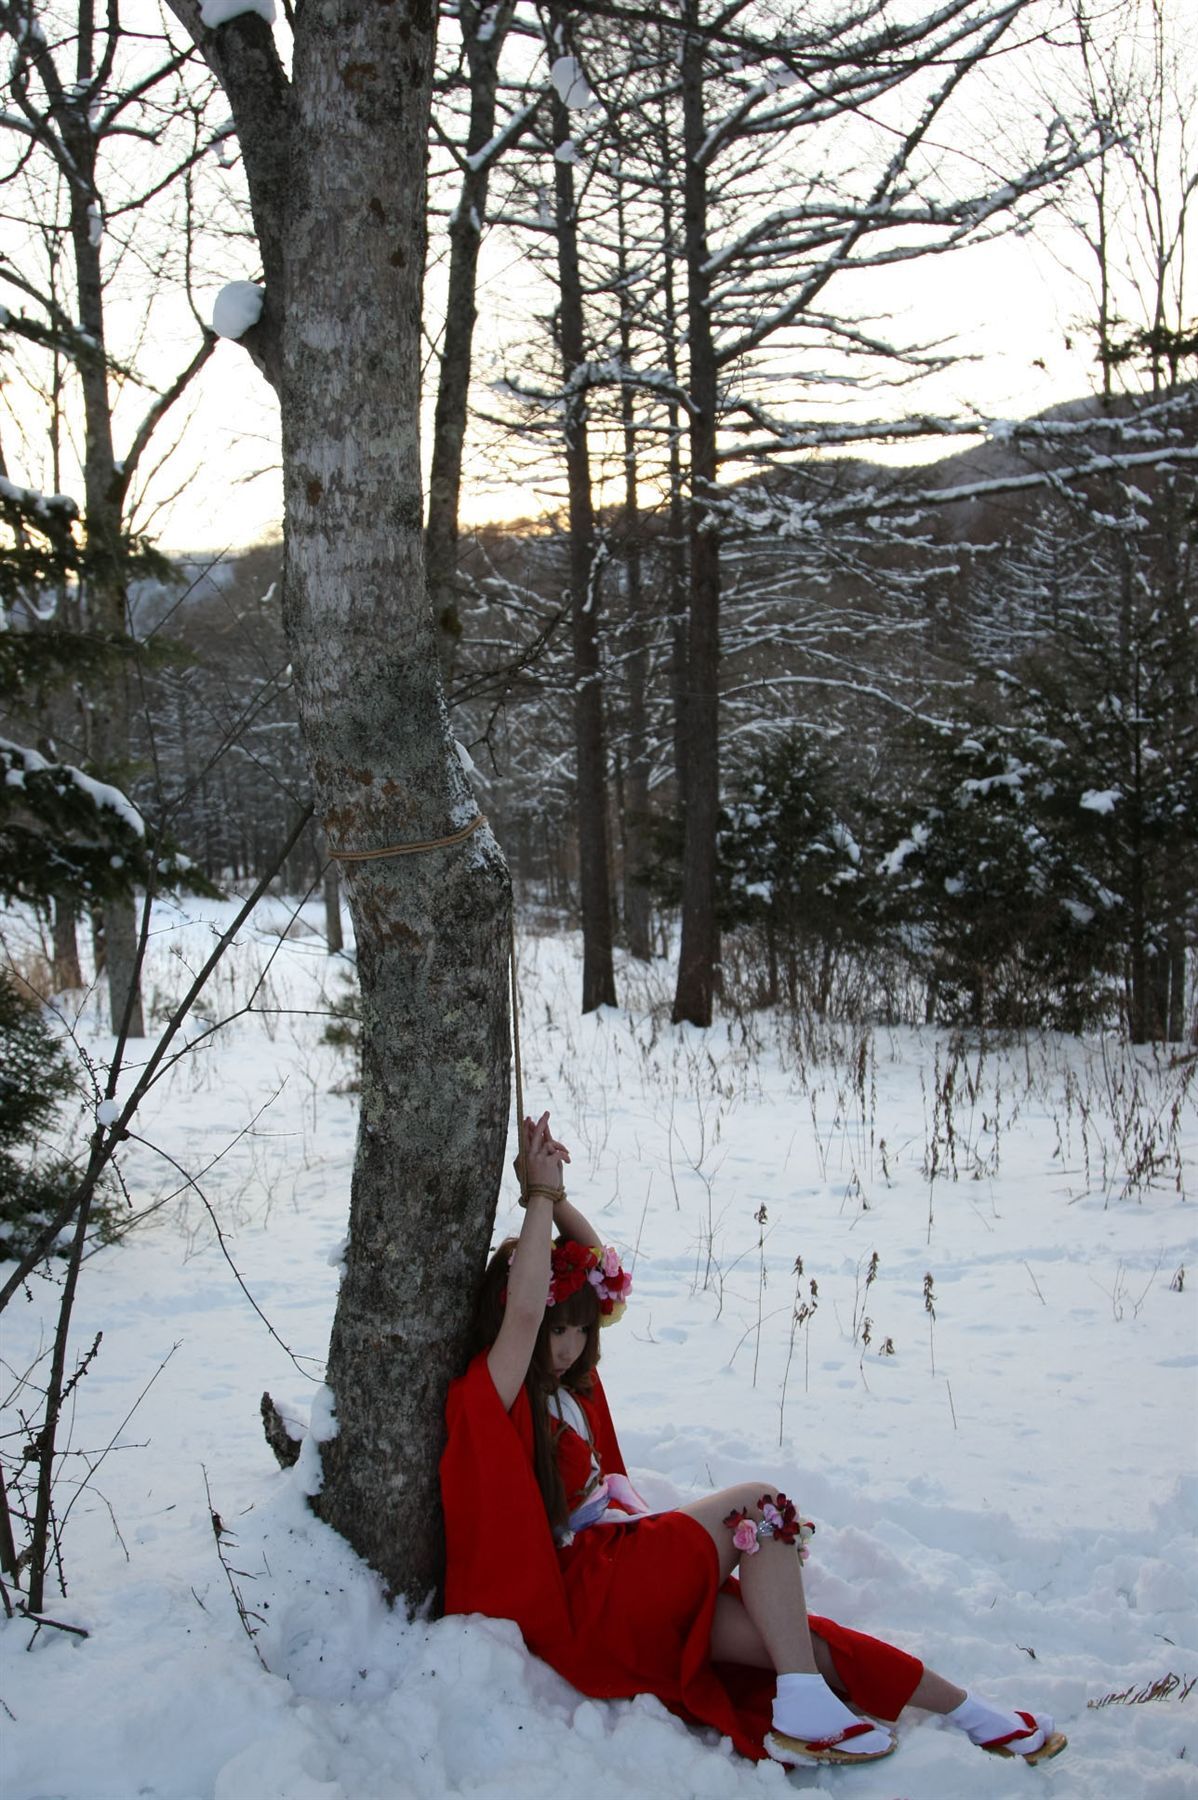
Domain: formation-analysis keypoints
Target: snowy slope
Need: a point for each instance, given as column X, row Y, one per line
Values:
column 1012, row 1492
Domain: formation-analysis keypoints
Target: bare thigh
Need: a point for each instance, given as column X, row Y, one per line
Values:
column 711, row 1512
column 735, row 1639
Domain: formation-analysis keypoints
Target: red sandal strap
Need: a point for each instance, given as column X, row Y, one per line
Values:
column 1013, row 1737
column 842, row 1737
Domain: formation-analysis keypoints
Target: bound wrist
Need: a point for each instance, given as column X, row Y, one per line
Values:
column 543, row 1191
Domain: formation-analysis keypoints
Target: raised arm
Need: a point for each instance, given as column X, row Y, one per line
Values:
column 568, row 1222
column 528, row 1280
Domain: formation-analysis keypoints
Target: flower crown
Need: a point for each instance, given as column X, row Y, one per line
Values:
column 573, row 1264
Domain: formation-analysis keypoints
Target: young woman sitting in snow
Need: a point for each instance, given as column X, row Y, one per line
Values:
column 544, row 1527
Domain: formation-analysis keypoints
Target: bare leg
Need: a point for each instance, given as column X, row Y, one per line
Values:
column 735, row 1639
column 810, row 1718
column 771, row 1583
column 935, row 1694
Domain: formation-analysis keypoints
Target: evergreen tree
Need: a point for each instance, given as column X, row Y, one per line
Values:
column 982, row 894
column 36, row 1081
column 791, row 867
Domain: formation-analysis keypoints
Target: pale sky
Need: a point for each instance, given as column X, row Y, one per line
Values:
column 1008, row 308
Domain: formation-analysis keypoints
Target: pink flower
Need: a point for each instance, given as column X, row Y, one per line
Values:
column 609, row 1280
column 745, row 1538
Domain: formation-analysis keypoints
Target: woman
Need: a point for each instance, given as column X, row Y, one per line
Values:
column 543, row 1526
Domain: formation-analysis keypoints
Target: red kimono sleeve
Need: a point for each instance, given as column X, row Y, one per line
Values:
column 500, row 1556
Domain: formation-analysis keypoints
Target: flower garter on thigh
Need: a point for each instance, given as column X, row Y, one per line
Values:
column 779, row 1520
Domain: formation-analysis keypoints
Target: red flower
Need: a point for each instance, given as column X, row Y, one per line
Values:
column 570, row 1265
column 779, row 1512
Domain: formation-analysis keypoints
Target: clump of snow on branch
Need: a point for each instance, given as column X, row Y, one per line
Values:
column 1100, row 800
column 892, row 864
column 25, row 761
column 219, row 12
column 467, row 761
column 236, row 308
column 573, row 88
column 31, row 501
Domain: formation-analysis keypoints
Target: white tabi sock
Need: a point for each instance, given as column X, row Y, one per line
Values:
column 806, row 1708
column 982, row 1722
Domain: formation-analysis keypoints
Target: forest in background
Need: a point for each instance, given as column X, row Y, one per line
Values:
column 952, row 707
column 872, row 743
column 960, row 773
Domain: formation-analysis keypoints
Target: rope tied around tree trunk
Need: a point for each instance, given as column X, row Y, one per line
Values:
column 413, row 849
column 447, row 843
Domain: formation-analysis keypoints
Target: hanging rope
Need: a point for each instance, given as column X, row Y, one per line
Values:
column 521, row 1165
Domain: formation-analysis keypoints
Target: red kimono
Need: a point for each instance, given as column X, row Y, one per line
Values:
column 625, row 1608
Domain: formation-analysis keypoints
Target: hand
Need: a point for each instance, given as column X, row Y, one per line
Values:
column 541, row 1154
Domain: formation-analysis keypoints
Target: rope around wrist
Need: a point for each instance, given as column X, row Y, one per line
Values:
column 556, row 1194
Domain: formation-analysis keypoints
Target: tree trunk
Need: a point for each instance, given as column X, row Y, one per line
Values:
column 1139, row 956
column 482, row 47
column 635, row 806
column 67, row 973
column 431, row 928
column 1177, row 981
column 676, row 560
column 594, row 867
column 694, row 994
column 333, row 935
column 335, row 161
column 103, row 507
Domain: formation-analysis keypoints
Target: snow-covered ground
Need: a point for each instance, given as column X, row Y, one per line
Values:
column 1012, row 1492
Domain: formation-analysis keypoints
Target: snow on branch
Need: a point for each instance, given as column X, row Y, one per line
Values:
column 571, row 85
column 503, row 138
column 53, row 509
column 236, row 308
column 19, row 761
column 1161, row 423
column 218, row 12
column 782, row 516
column 609, row 373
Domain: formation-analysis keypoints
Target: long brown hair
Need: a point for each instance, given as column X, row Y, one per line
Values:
column 582, row 1308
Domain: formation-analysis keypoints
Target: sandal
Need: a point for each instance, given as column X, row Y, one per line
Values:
column 1054, row 1741
column 824, row 1750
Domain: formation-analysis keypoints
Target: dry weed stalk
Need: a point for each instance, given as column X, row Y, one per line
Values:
column 861, row 1295
column 221, row 1532
column 1163, row 1688
column 761, row 1217
column 802, row 1313
column 929, row 1306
